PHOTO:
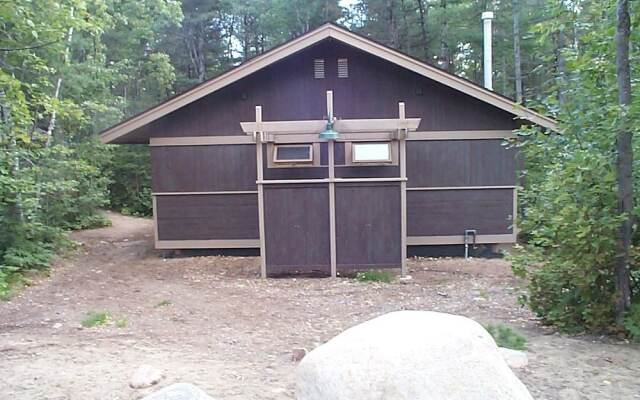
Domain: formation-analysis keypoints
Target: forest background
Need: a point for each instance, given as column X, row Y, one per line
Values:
column 70, row 68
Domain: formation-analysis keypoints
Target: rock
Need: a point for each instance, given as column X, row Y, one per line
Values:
column 145, row 376
column 298, row 354
column 514, row 358
column 406, row 279
column 179, row 391
column 409, row 355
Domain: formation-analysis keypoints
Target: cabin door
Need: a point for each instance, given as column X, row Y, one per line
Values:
column 368, row 225
column 296, row 220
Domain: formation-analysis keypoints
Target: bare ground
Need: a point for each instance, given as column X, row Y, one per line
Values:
column 232, row 334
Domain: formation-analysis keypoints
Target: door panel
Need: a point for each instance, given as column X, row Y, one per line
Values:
column 297, row 228
column 368, row 225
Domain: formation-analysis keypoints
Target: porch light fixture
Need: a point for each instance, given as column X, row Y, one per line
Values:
column 329, row 133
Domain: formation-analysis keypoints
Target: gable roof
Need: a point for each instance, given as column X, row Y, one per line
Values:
column 310, row 38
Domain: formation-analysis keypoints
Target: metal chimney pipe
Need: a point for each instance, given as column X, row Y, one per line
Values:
column 487, row 16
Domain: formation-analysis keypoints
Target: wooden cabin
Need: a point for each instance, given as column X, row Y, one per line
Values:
column 329, row 153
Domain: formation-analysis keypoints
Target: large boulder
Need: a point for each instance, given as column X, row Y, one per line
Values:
column 179, row 391
column 409, row 355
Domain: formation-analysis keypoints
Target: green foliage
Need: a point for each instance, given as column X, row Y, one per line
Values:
column 130, row 186
column 569, row 206
column 375, row 276
column 122, row 323
column 96, row 318
column 505, row 336
column 163, row 303
column 632, row 322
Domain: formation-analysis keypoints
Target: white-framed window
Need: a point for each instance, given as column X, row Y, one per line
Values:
column 292, row 153
column 376, row 152
column 318, row 68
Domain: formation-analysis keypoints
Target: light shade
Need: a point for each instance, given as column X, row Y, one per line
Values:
column 329, row 133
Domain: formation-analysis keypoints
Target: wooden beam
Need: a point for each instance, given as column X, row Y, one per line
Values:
column 460, row 188
column 332, row 211
column 340, row 125
column 259, row 173
column 200, row 140
column 459, row 239
column 208, row 244
column 403, row 193
column 461, row 135
column 230, row 192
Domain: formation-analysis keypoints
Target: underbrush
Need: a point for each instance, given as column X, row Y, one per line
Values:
column 96, row 318
column 375, row 276
column 63, row 189
column 505, row 336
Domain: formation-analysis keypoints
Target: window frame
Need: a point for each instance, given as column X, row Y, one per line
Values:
column 305, row 161
column 387, row 161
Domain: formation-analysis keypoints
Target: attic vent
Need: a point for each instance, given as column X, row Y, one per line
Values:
column 318, row 68
column 343, row 68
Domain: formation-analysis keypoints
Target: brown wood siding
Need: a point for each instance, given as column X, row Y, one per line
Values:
column 368, row 172
column 288, row 91
column 297, row 228
column 450, row 212
column 367, row 225
column 205, row 217
column 203, row 168
column 460, row 163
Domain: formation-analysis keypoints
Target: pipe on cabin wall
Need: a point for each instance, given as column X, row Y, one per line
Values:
column 468, row 234
column 487, row 17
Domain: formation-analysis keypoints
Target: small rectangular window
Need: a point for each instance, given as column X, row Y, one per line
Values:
column 302, row 153
column 371, row 152
column 318, row 68
column 343, row 68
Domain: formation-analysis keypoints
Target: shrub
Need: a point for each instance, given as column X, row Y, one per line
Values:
column 632, row 322
column 94, row 319
column 504, row 336
column 163, row 303
column 56, row 189
column 130, row 187
column 375, row 276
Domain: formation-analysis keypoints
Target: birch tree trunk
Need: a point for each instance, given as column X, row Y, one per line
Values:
column 624, row 163
column 56, row 94
column 517, row 60
column 561, row 67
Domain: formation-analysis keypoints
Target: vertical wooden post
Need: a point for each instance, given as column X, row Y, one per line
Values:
column 403, row 191
column 332, row 191
column 155, row 220
column 260, row 176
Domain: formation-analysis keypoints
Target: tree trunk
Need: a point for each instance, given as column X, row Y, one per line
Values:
column 195, row 45
column 561, row 67
column 405, row 28
column 445, row 52
column 393, row 29
column 56, row 94
column 423, row 28
column 624, row 163
column 517, row 60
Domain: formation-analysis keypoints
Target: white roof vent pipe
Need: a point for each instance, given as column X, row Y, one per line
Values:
column 487, row 16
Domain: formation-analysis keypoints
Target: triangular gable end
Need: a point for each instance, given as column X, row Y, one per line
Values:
column 293, row 46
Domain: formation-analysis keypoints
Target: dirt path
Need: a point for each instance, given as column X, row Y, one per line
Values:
column 232, row 334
